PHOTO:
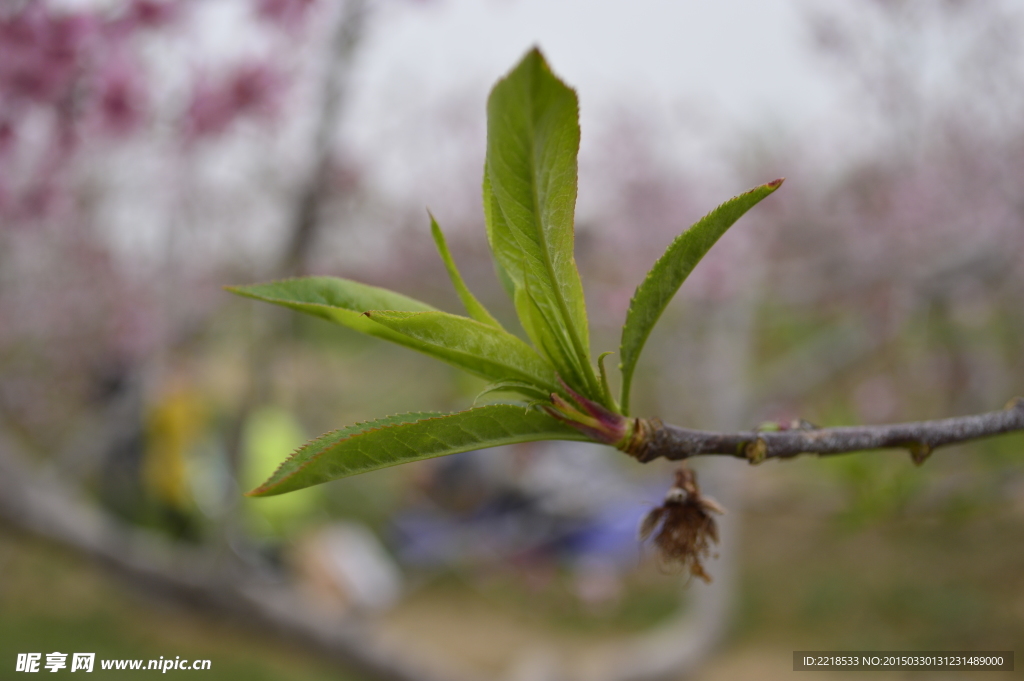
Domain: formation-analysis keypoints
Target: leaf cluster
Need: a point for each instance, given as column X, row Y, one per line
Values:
column 529, row 198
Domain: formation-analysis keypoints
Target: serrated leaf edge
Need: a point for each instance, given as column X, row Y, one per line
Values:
column 266, row 486
column 627, row 380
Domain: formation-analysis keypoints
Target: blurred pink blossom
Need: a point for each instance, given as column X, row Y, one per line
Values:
column 154, row 14
column 286, row 13
column 121, row 97
column 247, row 90
column 41, row 54
column 8, row 137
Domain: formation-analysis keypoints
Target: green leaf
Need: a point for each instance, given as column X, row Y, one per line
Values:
column 550, row 338
column 529, row 199
column 669, row 272
column 473, row 306
column 341, row 301
column 411, row 437
column 604, row 379
column 536, row 395
column 489, row 219
column 549, row 335
column 483, row 350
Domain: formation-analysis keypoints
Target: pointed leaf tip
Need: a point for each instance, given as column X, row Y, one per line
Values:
column 671, row 270
column 473, row 306
column 411, row 437
column 341, row 301
column 530, row 183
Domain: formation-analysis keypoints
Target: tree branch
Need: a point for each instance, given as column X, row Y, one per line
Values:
column 347, row 34
column 44, row 507
column 660, row 440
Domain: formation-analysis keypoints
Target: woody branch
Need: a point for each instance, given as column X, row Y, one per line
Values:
column 920, row 437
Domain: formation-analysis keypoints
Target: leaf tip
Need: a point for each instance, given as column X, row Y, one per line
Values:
column 261, row 491
column 438, row 235
column 534, row 59
column 535, row 53
column 775, row 184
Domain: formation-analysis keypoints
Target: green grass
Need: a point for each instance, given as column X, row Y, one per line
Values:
column 925, row 575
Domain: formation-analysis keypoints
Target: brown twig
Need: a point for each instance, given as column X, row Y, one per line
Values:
column 919, row 437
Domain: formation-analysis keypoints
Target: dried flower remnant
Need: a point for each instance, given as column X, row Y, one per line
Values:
column 683, row 527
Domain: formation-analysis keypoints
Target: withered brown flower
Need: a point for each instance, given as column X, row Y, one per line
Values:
column 683, row 527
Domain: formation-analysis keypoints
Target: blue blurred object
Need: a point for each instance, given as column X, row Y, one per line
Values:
column 560, row 503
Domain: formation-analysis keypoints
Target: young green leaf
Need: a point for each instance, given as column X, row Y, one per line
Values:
column 490, row 208
column 529, row 199
column 411, row 437
column 483, row 350
column 536, row 395
column 550, row 339
column 669, row 272
column 549, row 335
column 341, row 301
column 604, row 380
column 473, row 306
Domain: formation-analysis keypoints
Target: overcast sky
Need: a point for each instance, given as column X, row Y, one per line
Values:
column 739, row 56
column 685, row 66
